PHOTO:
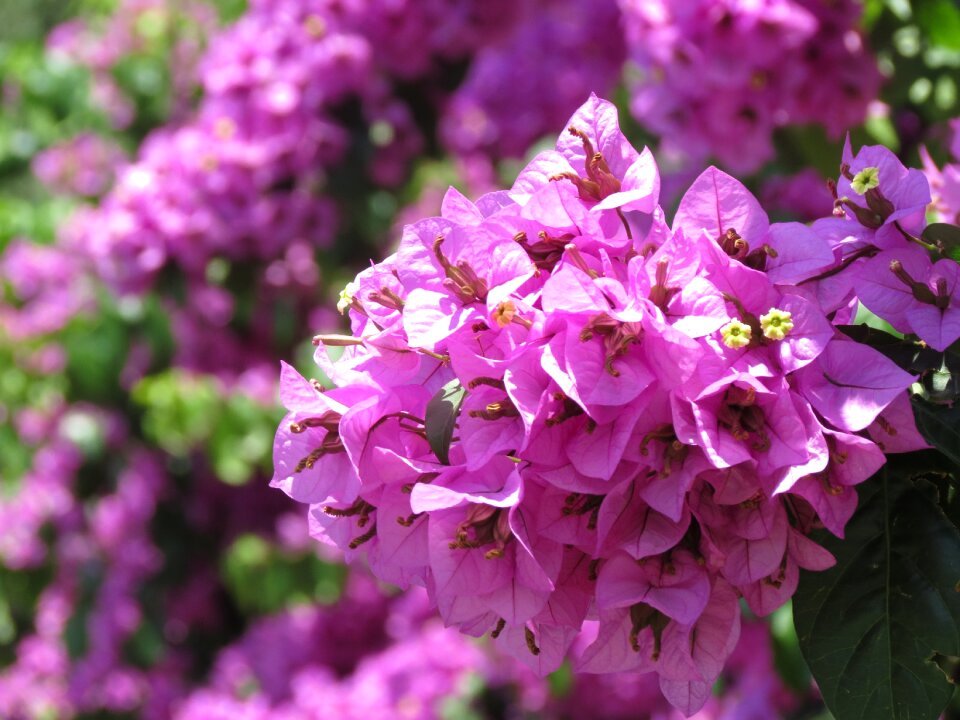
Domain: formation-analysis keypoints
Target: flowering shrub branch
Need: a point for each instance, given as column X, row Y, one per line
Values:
column 557, row 410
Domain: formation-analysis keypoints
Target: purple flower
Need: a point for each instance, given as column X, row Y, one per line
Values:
column 944, row 187
column 84, row 165
column 913, row 294
column 586, row 47
column 879, row 193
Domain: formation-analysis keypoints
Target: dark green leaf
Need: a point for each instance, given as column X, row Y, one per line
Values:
column 441, row 418
column 96, row 353
column 948, row 495
column 939, row 425
column 262, row 578
column 940, row 386
column 145, row 647
column 76, row 633
column 869, row 626
column 949, row 665
column 945, row 236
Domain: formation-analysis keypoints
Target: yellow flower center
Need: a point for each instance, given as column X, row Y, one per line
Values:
column 776, row 324
column 736, row 334
column 866, row 179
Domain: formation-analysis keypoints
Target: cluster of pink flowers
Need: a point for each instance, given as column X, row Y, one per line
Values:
column 92, row 525
column 83, row 165
column 487, row 117
column 48, row 286
column 412, row 679
column 370, row 656
column 204, row 188
column 137, row 27
column 283, row 89
column 716, row 78
column 945, row 181
column 298, row 93
column 366, row 656
column 752, row 689
column 243, row 182
column 59, row 669
column 555, row 406
column 880, row 210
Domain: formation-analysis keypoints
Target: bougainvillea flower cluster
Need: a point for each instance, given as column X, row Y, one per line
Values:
column 885, row 262
column 555, row 407
column 716, row 78
column 136, row 27
column 369, row 656
column 750, row 689
column 945, row 181
column 490, row 118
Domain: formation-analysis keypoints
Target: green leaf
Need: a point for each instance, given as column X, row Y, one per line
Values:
column 939, row 425
column 870, row 626
column 262, row 578
column 181, row 410
column 96, row 353
column 940, row 22
column 787, row 657
column 945, row 236
column 949, row 665
column 441, row 418
column 230, row 10
column 948, row 491
column 561, row 681
column 872, row 10
column 76, row 636
column 146, row 646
